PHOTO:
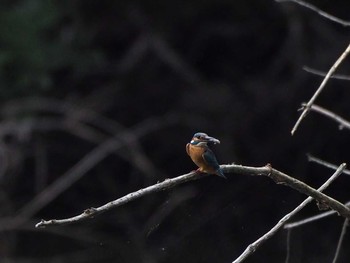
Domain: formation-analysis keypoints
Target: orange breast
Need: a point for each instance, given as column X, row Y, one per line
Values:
column 196, row 153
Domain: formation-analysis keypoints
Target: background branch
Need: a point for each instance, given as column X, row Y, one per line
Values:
column 319, row 11
column 308, row 105
column 323, row 74
column 342, row 122
column 312, row 218
column 80, row 169
column 314, row 159
column 341, row 239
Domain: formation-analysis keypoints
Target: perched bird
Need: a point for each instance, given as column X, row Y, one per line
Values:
column 201, row 154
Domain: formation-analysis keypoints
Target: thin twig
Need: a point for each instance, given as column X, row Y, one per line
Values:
column 289, row 232
column 267, row 170
column 319, row 11
column 253, row 246
column 343, row 123
column 314, row 159
column 320, row 88
column 323, row 74
column 341, row 239
column 312, row 218
column 309, row 220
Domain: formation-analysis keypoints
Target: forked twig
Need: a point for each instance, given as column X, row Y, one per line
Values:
column 308, row 105
column 302, row 222
column 253, row 246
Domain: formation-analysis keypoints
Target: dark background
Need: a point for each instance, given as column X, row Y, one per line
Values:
column 75, row 74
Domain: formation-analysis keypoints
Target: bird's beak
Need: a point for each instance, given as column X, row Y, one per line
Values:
column 212, row 140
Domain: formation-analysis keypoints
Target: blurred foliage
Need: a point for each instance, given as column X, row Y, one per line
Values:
column 39, row 41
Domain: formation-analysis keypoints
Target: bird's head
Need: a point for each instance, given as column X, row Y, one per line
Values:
column 201, row 138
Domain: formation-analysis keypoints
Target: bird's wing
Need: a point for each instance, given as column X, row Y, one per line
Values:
column 188, row 148
column 210, row 159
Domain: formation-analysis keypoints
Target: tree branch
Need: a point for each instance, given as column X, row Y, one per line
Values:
column 253, row 246
column 277, row 176
column 308, row 105
column 323, row 74
column 314, row 159
column 91, row 212
column 342, row 122
column 319, row 11
column 312, row 218
column 341, row 239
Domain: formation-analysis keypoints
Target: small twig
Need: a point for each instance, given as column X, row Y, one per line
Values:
column 253, row 246
column 289, row 232
column 342, row 122
column 267, row 170
column 323, row 74
column 314, row 159
column 309, row 220
column 320, row 88
column 341, row 239
column 312, row 218
column 319, row 11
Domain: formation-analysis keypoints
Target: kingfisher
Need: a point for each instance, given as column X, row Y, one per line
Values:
column 200, row 153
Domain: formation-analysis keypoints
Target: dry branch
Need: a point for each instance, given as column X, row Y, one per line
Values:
column 253, row 246
column 323, row 74
column 308, row 105
column 314, row 159
column 277, row 176
column 342, row 122
column 319, row 11
column 312, row 218
column 341, row 239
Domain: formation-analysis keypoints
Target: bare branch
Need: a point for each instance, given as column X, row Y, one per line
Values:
column 319, row 11
column 341, row 239
column 277, row 176
column 320, row 88
column 342, row 122
column 91, row 212
column 312, row 218
column 253, row 246
column 288, row 245
column 323, row 74
column 314, row 159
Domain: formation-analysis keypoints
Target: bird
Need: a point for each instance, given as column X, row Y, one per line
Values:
column 200, row 153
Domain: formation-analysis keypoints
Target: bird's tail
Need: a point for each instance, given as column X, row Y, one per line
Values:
column 220, row 173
